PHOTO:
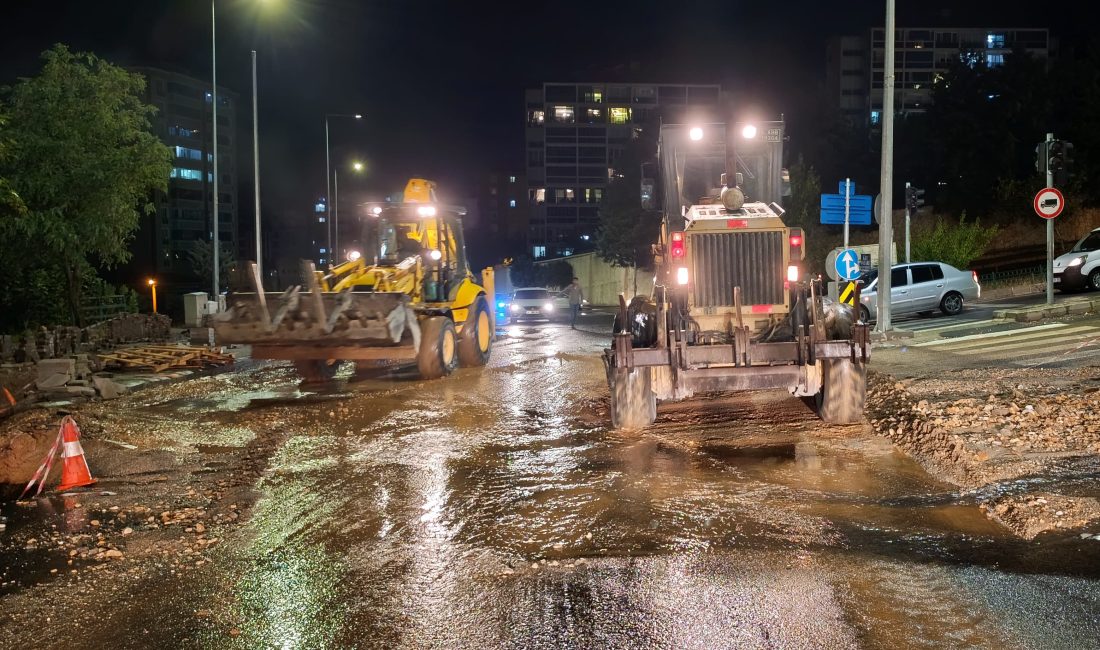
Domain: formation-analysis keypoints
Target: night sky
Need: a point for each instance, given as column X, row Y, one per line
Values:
column 441, row 83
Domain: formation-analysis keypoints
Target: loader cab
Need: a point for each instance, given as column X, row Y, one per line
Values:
column 428, row 236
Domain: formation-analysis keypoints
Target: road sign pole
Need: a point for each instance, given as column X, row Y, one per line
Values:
column 886, row 172
column 1050, row 234
column 847, row 207
column 907, row 222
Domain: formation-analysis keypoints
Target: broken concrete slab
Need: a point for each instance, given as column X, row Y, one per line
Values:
column 109, row 389
column 56, row 380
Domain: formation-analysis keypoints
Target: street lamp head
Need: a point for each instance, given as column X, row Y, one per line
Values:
column 151, row 282
column 749, row 132
column 358, row 116
column 357, row 166
column 696, row 133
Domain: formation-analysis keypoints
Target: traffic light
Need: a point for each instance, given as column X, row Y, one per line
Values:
column 1041, row 157
column 1060, row 160
column 914, row 199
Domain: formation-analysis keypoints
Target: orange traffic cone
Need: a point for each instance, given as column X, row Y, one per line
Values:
column 74, row 468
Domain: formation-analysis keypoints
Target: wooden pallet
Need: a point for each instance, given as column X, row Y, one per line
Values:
column 159, row 358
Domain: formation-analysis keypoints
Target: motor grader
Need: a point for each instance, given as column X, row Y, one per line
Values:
column 404, row 294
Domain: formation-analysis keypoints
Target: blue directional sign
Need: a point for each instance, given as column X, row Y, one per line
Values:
column 859, row 209
column 847, row 264
column 851, row 188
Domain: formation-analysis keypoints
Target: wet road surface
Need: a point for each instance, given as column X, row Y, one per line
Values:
column 495, row 510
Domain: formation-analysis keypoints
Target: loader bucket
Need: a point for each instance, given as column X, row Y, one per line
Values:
column 324, row 318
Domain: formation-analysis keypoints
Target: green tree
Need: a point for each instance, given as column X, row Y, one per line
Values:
column 83, row 161
column 627, row 231
column 201, row 257
column 956, row 243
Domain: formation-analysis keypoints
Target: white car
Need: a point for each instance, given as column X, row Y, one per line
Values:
column 1079, row 268
column 532, row 303
column 921, row 287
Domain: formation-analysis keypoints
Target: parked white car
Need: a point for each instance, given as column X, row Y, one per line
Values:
column 1079, row 268
column 921, row 287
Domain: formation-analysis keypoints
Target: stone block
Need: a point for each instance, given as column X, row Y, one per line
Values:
column 1054, row 311
column 48, row 367
column 1078, row 308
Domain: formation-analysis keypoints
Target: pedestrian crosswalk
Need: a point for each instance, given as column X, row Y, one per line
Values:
column 1052, row 342
column 943, row 323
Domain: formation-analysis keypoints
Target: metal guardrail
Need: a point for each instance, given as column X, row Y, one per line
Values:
column 103, row 308
column 1025, row 275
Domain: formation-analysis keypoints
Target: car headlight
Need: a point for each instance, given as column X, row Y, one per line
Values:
column 548, row 307
column 1077, row 261
column 514, row 308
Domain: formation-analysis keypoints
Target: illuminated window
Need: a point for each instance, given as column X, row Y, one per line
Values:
column 995, row 41
column 190, row 154
column 540, row 195
column 538, row 251
column 619, row 115
column 994, row 60
column 594, row 113
column 536, row 118
column 319, row 206
column 876, row 117
column 511, row 179
column 511, row 203
column 189, row 174
column 564, row 114
column 323, row 250
column 569, row 195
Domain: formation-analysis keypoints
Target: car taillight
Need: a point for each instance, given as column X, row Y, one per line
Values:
column 681, row 275
column 975, row 275
column 677, row 245
column 796, row 239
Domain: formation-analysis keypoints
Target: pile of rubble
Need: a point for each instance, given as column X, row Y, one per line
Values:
column 74, row 378
column 65, row 341
column 1031, row 514
column 1010, row 431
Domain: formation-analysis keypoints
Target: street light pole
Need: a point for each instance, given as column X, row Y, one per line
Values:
column 886, row 219
column 256, row 166
column 328, row 192
column 336, row 208
column 214, row 143
column 329, row 198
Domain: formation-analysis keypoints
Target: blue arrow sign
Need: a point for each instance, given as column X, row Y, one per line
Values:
column 847, row 264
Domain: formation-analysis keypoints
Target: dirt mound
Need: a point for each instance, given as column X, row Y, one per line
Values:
column 1032, row 514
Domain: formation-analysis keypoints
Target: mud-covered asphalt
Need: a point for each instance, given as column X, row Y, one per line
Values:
column 495, row 509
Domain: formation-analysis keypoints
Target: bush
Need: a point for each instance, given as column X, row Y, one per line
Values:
column 957, row 244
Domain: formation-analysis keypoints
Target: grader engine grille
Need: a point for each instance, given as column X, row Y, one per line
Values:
column 750, row 260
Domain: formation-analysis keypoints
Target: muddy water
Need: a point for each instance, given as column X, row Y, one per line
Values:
column 495, row 509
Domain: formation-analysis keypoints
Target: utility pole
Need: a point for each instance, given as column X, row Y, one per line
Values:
column 886, row 225
column 1050, row 227
column 847, row 207
column 256, row 167
column 214, row 148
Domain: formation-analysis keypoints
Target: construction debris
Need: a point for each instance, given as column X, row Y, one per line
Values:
column 163, row 357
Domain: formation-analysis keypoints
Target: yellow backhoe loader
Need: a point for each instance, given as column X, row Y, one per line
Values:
column 405, row 293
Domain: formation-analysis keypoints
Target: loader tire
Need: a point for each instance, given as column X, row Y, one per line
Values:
column 843, row 391
column 438, row 354
column 476, row 341
column 633, row 402
column 315, row 371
